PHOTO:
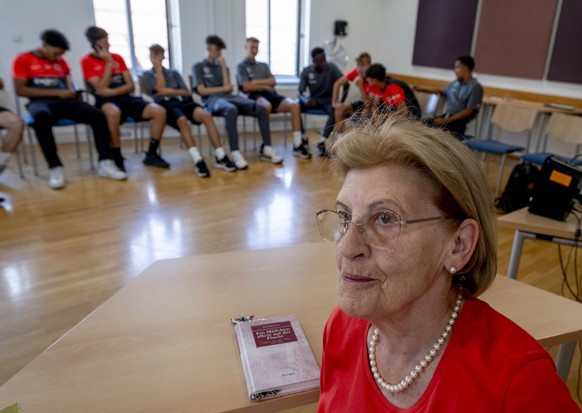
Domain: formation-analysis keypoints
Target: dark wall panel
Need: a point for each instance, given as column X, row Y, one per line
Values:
column 444, row 31
column 514, row 36
column 566, row 63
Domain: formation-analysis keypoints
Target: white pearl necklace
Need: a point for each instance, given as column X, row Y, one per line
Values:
column 419, row 368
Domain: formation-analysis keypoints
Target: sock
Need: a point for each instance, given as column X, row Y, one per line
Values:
column 195, row 154
column 297, row 138
column 116, row 153
column 154, row 145
column 4, row 156
column 219, row 153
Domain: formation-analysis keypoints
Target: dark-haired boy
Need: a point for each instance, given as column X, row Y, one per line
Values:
column 211, row 78
column 388, row 92
column 108, row 78
column 319, row 78
column 464, row 97
column 42, row 75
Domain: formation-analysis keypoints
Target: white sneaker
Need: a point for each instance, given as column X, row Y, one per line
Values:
column 108, row 169
column 268, row 154
column 238, row 160
column 57, row 178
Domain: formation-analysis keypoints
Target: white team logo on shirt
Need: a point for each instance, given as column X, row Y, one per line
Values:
column 311, row 76
column 206, row 70
column 57, row 66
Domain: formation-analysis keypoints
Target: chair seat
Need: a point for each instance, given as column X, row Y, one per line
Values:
column 315, row 111
column 537, row 158
column 29, row 120
column 491, row 146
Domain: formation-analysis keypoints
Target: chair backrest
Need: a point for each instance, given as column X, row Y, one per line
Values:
column 514, row 118
column 567, row 128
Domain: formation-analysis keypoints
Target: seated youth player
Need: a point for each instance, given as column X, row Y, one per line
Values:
column 43, row 76
column 357, row 76
column 384, row 97
column 258, row 82
column 464, row 97
column 319, row 78
column 108, row 78
column 168, row 89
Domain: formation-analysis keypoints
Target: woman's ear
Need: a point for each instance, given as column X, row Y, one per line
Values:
column 465, row 242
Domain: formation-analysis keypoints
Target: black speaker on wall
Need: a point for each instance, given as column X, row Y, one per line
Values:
column 340, row 28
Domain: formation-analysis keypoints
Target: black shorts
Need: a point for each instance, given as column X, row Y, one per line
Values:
column 3, row 109
column 273, row 98
column 130, row 106
column 176, row 108
column 357, row 106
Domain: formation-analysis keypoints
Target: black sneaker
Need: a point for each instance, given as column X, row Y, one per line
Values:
column 321, row 149
column 301, row 151
column 305, row 140
column 201, row 169
column 155, row 160
column 225, row 163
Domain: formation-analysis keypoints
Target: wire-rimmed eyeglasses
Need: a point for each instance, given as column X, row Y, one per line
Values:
column 378, row 229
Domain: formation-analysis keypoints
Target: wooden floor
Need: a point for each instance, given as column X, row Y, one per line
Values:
column 62, row 253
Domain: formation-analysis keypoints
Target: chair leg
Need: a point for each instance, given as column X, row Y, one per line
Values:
column 32, row 155
column 285, row 130
column 77, row 142
column 500, row 178
column 244, row 119
column 19, row 163
column 90, row 147
column 255, row 134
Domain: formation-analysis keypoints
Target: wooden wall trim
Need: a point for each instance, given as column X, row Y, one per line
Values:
column 493, row 91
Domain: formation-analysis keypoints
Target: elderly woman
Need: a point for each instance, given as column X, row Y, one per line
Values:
column 415, row 245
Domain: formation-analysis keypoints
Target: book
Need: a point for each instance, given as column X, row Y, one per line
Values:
column 276, row 357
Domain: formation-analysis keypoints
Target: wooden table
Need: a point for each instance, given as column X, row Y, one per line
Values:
column 534, row 226
column 164, row 342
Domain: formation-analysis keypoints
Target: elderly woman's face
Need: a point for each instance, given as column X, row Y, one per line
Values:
column 384, row 277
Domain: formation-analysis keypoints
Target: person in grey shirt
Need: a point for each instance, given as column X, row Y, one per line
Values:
column 255, row 79
column 211, row 80
column 464, row 97
column 319, row 79
column 168, row 90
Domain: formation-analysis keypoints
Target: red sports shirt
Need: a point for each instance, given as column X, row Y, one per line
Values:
column 392, row 95
column 41, row 73
column 95, row 67
column 351, row 76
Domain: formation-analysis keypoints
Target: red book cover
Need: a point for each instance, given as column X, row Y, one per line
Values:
column 276, row 357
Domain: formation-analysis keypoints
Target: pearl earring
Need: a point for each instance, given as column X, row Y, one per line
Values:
column 452, row 269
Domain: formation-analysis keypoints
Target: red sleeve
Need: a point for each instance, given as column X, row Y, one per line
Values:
column 538, row 377
column 20, row 67
column 352, row 75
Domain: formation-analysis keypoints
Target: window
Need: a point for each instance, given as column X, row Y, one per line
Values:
column 133, row 26
column 276, row 24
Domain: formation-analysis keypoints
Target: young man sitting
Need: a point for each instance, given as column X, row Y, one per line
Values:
column 384, row 97
column 168, row 89
column 211, row 78
column 464, row 97
column 108, row 78
column 319, row 78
